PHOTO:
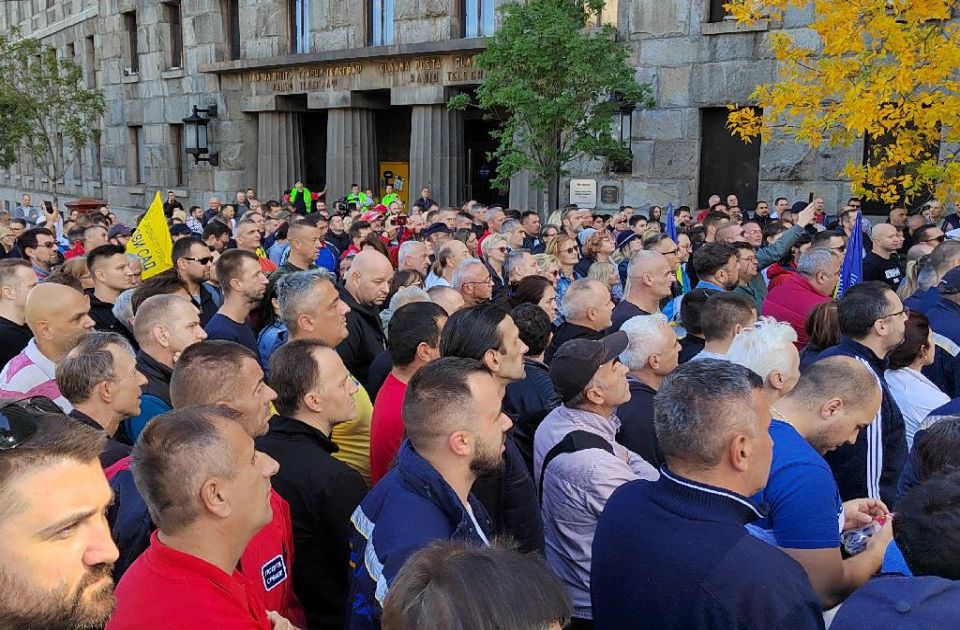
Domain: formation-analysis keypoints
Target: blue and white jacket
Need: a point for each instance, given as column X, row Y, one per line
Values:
column 408, row 509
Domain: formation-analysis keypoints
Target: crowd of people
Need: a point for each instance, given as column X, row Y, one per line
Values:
column 378, row 415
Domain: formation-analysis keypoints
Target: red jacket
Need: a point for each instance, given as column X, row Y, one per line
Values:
column 777, row 274
column 791, row 301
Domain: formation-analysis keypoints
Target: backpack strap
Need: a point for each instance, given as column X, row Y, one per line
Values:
column 571, row 443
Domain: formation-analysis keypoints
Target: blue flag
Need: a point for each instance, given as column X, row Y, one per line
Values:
column 671, row 225
column 851, row 271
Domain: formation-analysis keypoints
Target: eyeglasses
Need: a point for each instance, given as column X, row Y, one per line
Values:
column 570, row 250
column 488, row 280
column 503, row 250
column 905, row 313
column 938, row 239
column 17, row 424
column 48, row 244
column 672, row 252
column 205, row 260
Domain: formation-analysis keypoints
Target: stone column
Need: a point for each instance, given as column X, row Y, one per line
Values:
column 351, row 151
column 279, row 152
column 437, row 153
column 524, row 196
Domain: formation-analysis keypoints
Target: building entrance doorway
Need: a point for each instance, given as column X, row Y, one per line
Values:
column 480, row 167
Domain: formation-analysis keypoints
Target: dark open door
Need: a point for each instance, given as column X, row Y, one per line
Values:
column 727, row 164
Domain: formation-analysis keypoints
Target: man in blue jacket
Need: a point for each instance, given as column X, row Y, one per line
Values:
column 456, row 433
column 674, row 554
column 872, row 324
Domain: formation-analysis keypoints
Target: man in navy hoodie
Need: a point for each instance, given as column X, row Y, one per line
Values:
column 872, row 324
column 674, row 553
column 456, row 433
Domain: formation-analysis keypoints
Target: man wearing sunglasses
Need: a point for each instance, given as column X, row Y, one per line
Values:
column 59, row 318
column 55, row 544
column 39, row 246
column 193, row 261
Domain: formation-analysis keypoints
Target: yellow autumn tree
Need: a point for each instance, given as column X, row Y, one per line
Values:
column 888, row 70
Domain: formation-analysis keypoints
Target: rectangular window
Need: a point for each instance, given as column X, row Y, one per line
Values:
column 478, row 18
column 231, row 22
column 176, row 34
column 717, row 12
column 133, row 55
column 727, row 164
column 176, row 143
column 90, row 62
column 299, row 26
column 139, row 153
column 380, row 22
column 71, row 51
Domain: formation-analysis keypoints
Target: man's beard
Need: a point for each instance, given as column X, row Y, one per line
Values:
column 487, row 462
column 27, row 608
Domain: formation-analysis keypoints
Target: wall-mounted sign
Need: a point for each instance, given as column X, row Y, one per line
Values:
column 583, row 192
column 609, row 195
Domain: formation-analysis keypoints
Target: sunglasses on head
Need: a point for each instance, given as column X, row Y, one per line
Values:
column 17, row 423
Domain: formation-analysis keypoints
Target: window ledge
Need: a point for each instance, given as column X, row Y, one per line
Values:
column 130, row 78
column 172, row 73
column 136, row 190
column 732, row 26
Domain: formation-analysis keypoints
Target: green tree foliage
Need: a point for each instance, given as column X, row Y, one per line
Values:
column 46, row 115
column 553, row 85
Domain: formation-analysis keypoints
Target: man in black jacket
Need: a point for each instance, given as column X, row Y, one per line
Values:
column 588, row 312
column 365, row 289
column 314, row 392
column 653, row 353
column 112, row 276
column 528, row 401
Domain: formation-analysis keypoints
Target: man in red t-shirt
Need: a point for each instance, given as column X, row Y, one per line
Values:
column 413, row 341
column 208, row 490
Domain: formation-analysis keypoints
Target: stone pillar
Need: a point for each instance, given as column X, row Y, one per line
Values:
column 437, row 153
column 351, row 151
column 279, row 152
column 525, row 196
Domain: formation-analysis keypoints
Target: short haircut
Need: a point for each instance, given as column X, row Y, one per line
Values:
column 153, row 311
column 459, row 277
column 90, row 228
column 815, row 260
column 938, row 449
column 643, row 339
column 8, row 269
column 57, row 439
column 438, row 399
column 861, row 306
column 230, row 266
column 723, row 311
column 406, row 249
column 512, row 261
column 411, row 325
column 198, row 374
column 943, row 255
column 471, row 332
column 161, row 284
column 842, row 377
column 927, row 527
column 89, row 364
column 715, row 217
column 711, row 257
column 580, row 296
column 215, row 228
column 509, row 225
column 526, row 214
column 700, row 407
column 64, row 279
column 174, row 456
column 294, row 373
column 690, row 308
column 356, row 226
column 28, row 240
column 295, row 294
column 182, row 247
column 534, row 327
column 821, row 240
column 761, row 347
column 451, row 584
column 103, row 253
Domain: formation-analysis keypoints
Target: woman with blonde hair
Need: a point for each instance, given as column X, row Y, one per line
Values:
column 495, row 249
column 566, row 251
column 549, row 267
column 607, row 274
column 77, row 267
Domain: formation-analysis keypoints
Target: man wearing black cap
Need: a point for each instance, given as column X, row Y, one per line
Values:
column 577, row 462
column 119, row 234
column 944, row 316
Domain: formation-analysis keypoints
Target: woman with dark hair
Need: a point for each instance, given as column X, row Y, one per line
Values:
column 459, row 586
column 823, row 331
column 915, row 394
column 536, row 290
column 468, row 237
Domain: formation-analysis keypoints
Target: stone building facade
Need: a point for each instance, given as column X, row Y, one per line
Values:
column 334, row 92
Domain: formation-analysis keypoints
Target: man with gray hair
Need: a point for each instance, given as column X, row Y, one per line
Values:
column 100, row 379
column 518, row 265
column 768, row 348
column 413, row 255
column 577, row 463
column 472, row 279
column 652, row 353
column 818, row 271
column 945, row 257
column 695, row 564
column 311, row 308
column 587, row 310
column 650, row 279
column 512, row 230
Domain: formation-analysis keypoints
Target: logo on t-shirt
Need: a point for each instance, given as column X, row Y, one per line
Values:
column 274, row 572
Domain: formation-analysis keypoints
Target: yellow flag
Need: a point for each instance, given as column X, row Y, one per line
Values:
column 151, row 241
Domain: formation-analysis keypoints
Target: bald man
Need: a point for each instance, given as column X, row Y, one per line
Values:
column 448, row 298
column 58, row 316
column 364, row 289
column 883, row 263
